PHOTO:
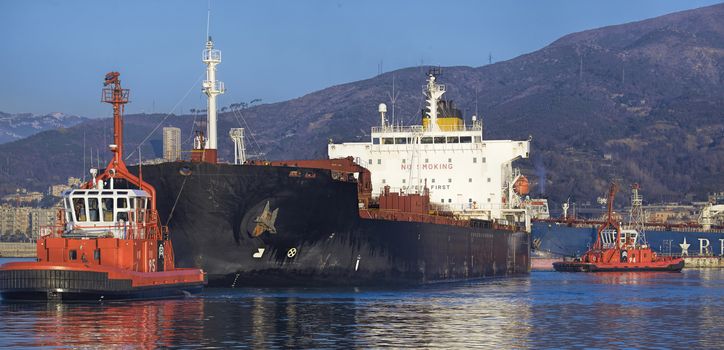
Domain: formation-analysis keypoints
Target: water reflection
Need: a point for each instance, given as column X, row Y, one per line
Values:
column 146, row 324
column 545, row 310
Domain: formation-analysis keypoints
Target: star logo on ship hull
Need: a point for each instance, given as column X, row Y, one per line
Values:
column 684, row 247
column 265, row 221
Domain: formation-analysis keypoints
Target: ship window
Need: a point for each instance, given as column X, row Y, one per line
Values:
column 370, row 161
column 122, row 216
column 470, row 179
column 379, row 161
column 93, row 213
column 453, row 139
column 488, row 179
column 433, row 180
column 403, row 161
column 466, row 139
column 426, row 139
column 483, row 159
column 470, row 200
column 107, row 193
column 439, row 139
column 449, row 180
column 107, row 209
column 376, row 141
column 403, row 181
column 384, row 181
column 79, row 206
column 478, row 139
column 131, row 202
column 388, row 141
column 488, row 200
column 449, row 200
column 121, row 203
column 72, row 254
column 442, row 200
column 97, row 254
column 427, row 160
column 400, row 140
column 449, row 160
column 475, row 160
column 140, row 217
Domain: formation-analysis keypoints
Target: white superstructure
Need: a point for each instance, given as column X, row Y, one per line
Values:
column 465, row 173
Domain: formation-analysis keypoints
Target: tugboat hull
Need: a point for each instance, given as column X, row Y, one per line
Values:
column 577, row 266
column 18, row 282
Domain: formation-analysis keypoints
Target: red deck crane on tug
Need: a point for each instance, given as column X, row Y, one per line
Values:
column 109, row 243
column 619, row 250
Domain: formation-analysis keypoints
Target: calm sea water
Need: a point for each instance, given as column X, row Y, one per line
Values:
column 543, row 310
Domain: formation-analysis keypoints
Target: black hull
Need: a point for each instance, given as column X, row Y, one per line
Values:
column 81, row 286
column 588, row 267
column 320, row 238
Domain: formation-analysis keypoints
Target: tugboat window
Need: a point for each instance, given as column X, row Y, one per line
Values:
column 121, row 203
column 72, row 255
column 93, row 213
column 107, row 209
column 79, row 206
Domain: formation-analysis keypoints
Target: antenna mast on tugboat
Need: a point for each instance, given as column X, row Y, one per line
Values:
column 637, row 214
column 114, row 94
column 206, row 151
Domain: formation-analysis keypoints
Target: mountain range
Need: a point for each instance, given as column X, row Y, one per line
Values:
column 14, row 127
column 638, row 102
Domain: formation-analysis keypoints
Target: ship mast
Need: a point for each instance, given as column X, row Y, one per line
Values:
column 636, row 215
column 118, row 97
column 611, row 225
column 433, row 92
column 206, row 150
column 116, row 168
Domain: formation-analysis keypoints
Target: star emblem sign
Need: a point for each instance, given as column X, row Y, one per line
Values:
column 684, row 247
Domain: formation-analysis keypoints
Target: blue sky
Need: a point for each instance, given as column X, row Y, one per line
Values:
column 55, row 53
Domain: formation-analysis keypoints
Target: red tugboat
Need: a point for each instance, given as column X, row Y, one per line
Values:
column 619, row 250
column 109, row 244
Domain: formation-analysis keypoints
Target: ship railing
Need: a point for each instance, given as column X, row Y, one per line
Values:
column 214, row 86
column 414, row 129
column 211, row 55
column 117, row 230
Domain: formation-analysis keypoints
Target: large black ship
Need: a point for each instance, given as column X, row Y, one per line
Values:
column 335, row 222
column 282, row 225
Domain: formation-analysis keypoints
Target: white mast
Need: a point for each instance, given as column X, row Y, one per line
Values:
column 211, row 87
column 433, row 92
